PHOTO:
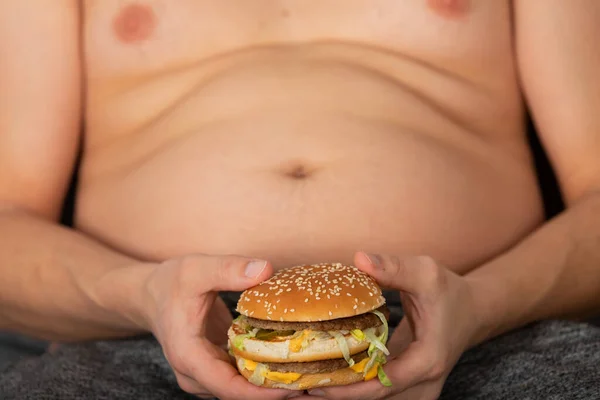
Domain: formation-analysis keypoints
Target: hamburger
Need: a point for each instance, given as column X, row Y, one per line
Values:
column 311, row 326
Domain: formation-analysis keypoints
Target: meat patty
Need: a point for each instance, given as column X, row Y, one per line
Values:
column 362, row 321
column 315, row 367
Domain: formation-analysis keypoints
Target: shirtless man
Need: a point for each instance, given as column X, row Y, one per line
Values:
column 296, row 132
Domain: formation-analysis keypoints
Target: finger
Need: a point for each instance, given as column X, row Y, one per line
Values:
column 228, row 273
column 189, row 385
column 407, row 370
column 401, row 338
column 223, row 380
column 408, row 274
column 417, row 364
column 358, row 391
column 427, row 390
column 218, row 322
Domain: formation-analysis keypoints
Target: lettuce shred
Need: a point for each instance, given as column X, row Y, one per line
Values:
column 370, row 363
column 383, row 378
column 377, row 349
column 375, row 342
column 258, row 376
column 238, row 341
column 341, row 341
column 384, row 335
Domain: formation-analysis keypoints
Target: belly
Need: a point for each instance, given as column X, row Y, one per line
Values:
column 303, row 164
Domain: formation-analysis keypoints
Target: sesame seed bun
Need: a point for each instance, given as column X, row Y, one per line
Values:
column 310, row 293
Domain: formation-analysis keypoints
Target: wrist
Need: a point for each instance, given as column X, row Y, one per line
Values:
column 122, row 293
column 489, row 308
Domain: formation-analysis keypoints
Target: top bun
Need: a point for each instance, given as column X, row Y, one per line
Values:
column 311, row 293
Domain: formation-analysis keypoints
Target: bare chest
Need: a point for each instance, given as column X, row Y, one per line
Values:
column 125, row 38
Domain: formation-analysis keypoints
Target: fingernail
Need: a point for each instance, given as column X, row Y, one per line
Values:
column 295, row 394
column 316, row 392
column 375, row 260
column 254, row 268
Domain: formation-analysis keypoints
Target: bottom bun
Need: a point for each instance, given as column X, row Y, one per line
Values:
column 344, row 376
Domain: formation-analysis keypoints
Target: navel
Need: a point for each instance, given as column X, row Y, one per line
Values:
column 134, row 23
column 297, row 172
column 449, row 8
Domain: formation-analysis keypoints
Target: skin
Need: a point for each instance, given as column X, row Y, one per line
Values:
column 201, row 142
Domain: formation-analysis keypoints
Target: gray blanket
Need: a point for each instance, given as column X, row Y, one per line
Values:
column 549, row 360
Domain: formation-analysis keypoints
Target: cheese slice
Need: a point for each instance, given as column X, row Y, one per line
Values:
column 360, row 366
column 372, row 373
column 249, row 365
column 296, row 344
column 283, row 377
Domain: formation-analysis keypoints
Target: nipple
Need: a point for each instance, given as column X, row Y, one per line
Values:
column 134, row 23
column 449, row 8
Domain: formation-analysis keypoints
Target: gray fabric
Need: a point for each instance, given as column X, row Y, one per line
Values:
column 552, row 360
column 549, row 360
column 120, row 369
column 13, row 347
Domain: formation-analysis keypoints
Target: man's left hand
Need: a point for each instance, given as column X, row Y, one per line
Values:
column 440, row 323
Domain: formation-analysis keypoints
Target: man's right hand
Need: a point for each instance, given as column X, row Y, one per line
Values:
column 177, row 299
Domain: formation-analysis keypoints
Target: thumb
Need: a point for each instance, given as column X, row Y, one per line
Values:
column 233, row 273
column 401, row 338
column 409, row 274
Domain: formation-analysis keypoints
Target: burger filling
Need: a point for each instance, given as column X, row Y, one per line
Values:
column 362, row 321
column 371, row 327
column 287, row 373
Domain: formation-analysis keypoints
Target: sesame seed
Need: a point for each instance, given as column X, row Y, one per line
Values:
column 306, row 300
column 355, row 307
column 330, row 313
column 292, row 310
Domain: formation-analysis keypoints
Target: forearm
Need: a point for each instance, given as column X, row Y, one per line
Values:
column 554, row 273
column 53, row 285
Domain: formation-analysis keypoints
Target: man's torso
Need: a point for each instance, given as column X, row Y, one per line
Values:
column 301, row 132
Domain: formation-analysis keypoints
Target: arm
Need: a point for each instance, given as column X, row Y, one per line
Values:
column 555, row 272
column 48, row 274
column 58, row 284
